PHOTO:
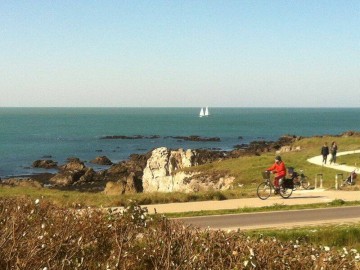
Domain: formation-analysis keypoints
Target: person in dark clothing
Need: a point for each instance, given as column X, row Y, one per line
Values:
column 333, row 151
column 325, row 152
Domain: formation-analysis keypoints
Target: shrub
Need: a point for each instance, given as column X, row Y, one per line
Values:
column 40, row 235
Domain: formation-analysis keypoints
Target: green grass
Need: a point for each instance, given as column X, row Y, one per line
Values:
column 345, row 236
column 350, row 160
column 247, row 170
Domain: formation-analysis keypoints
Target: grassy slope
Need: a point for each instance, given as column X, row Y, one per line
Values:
column 247, row 170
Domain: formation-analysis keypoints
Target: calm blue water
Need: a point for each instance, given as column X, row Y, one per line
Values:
column 28, row 134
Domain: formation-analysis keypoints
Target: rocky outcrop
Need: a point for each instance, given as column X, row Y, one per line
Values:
column 122, row 187
column 45, row 164
column 103, row 160
column 73, row 173
column 163, row 173
column 66, row 178
column 73, row 165
column 127, row 175
column 288, row 148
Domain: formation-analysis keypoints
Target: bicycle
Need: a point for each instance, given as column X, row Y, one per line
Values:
column 299, row 180
column 265, row 189
column 350, row 180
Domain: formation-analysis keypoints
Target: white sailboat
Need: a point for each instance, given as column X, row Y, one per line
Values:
column 207, row 111
column 202, row 113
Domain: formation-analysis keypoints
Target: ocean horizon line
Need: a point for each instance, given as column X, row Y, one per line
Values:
column 177, row 107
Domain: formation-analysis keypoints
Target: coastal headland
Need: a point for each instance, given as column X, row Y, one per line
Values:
column 159, row 170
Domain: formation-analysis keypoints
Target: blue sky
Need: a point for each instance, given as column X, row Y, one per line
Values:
column 180, row 53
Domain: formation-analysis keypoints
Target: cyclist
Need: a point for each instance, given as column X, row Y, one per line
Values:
column 279, row 168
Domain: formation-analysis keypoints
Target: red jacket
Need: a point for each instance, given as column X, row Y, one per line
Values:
column 280, row 169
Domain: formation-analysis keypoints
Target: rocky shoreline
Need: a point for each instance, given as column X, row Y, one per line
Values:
column 128, row 174
column 155, row 170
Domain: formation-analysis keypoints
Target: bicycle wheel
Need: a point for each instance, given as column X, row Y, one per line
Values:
column 305, row 182
column 285, row 192
column 264, row 191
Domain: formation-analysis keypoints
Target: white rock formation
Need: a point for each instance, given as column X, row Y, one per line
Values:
column 162, row 173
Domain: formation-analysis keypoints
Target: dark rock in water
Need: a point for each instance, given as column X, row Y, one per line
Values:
column 103, row 160
column 73, row 165
column 47, row 156
column 196, row 138
column 121, row 137
column 46, row 164
column 135, row 137
column 74, row 159
column 99, row 150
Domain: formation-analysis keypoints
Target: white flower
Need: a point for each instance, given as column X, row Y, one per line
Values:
column 37, row 201
column 42, row 226
column 326, row 248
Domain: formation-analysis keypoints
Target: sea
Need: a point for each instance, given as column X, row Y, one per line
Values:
column 29, row 134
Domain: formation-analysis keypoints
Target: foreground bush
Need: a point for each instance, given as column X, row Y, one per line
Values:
column 39, row 235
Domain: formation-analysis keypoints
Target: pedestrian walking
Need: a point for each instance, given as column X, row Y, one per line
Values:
column 333, row 151
column 325, row 152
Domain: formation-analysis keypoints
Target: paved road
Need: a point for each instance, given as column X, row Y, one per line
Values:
column 298, row 197
column 285, row 219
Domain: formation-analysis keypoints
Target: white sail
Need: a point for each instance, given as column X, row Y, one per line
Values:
column 202, row 112
column 207, row 112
